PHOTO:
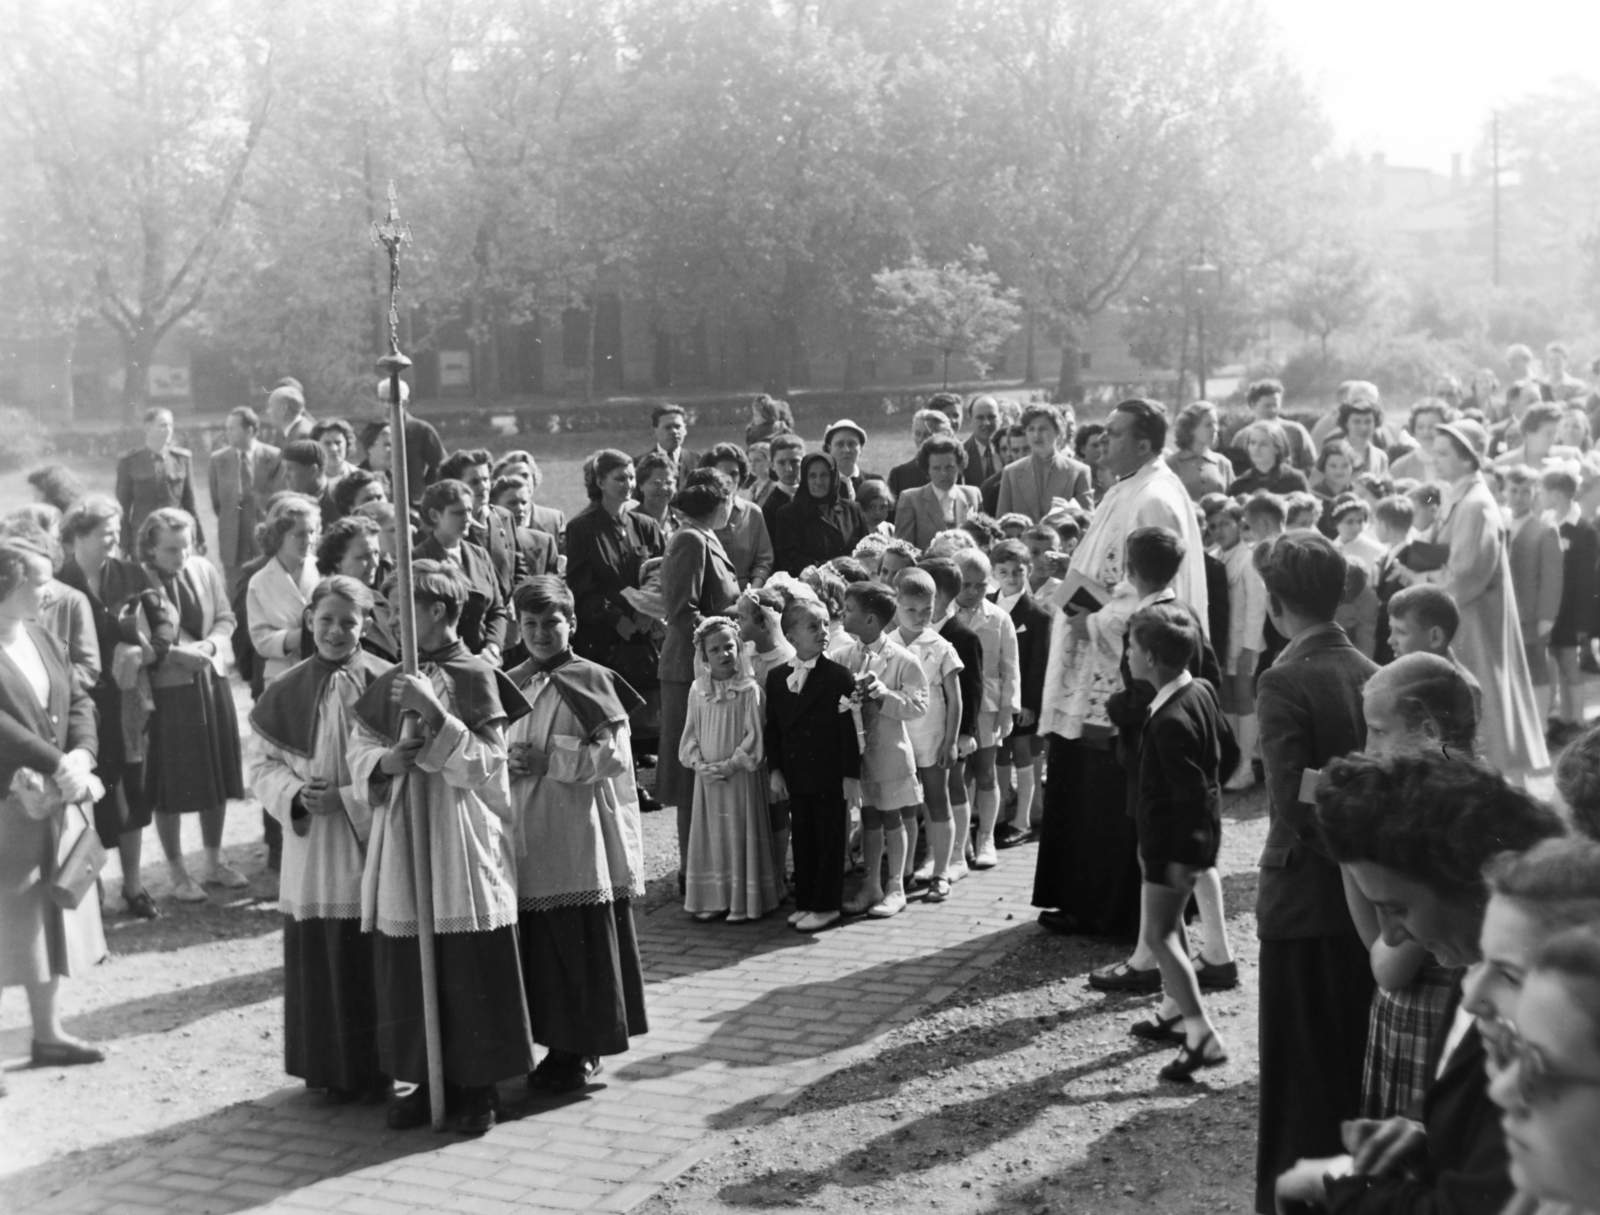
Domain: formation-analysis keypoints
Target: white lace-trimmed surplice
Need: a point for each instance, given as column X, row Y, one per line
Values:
column 1151, row 497
column 461, row 788
column 321, row 874
column 578, row 836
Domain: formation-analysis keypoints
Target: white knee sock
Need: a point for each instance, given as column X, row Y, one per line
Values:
column 872, row 854
column 1025, row 787
column 988, row 812
column 961, row 827
column 1213, row 923
column 908, row 856
column 895, row 843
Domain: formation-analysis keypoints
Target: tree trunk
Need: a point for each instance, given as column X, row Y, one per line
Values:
column 1069, row 385
column 588, row 359
column 1029, row 373
column 780, row 367
column 946, row 373
column 138, row 352
column 66, row 401
column 850, row 372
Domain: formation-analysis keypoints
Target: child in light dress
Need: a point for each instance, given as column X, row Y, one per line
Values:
column 730, row 867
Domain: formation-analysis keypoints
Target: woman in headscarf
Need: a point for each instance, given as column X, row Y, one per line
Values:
column 817, row 526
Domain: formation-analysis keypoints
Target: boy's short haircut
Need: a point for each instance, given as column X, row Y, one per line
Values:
column 873, row 598
column 1520, row 474
column 849, row 569
column 1545, row 413
column 1010, row 550
column 1303, row 571
column 442, row 494
column 787, row 442
column 1043, row 531
column 1298, row 502
column 1355, row 506
column 916, row 583
column 903, row 549
column 1233, row 510
column 1211, row 503
column 1263, row 388
column 799, row 608
column 1376, row 484
column 1396, row 512
column 1356, row 578
column 543, row 592
column 1560, row 481
column 662, row 411
column 974, row 559
column 1155, row 554
column 945, row 574
column 441, row 582
column 1166, row 633
column 1267, row 506
column 1014, row 519
column 1068, row 529
column 1430, row 606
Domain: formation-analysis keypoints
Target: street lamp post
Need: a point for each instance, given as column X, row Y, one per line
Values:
column 1202, row 279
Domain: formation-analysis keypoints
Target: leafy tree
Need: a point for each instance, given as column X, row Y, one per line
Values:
column 955, row 308
column 141, row 117
column 1333, row 290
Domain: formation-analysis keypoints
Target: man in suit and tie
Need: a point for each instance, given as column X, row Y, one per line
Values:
column 1315, row 974
column 240, row 478
column 671, row 425
column 984, row 459
column 1537, row 571
column 156, row 475
column 490, row 527
column 942, row 503
column 911, row 474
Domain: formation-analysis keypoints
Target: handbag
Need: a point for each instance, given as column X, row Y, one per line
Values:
column 76, row 875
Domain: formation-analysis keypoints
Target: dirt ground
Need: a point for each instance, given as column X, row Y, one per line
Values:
column 1022, row 1092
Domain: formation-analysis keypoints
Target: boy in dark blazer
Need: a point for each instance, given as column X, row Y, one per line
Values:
column 1316, row 978
column 815, row 762
column 947, row 585
column 1023, row 750
column 1186, row 752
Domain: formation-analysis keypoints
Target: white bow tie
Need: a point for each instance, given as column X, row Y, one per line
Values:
column 797, row 677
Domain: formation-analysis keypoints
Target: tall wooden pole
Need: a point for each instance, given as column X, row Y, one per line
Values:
column 391, row 235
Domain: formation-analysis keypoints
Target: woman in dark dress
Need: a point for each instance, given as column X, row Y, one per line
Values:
column 89, row 536
column 697, row 580
column 608, row 543
column 193, row 765
column 817, row 526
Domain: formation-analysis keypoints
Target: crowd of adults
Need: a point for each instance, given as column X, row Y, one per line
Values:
column 1394, row 622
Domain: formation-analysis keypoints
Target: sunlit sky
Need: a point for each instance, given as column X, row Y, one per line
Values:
column 1417, row 79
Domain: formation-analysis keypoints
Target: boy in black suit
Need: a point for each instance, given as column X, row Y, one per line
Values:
column 1023, row 750
column 1186, row 751
column 947, row 585
column 815, row 761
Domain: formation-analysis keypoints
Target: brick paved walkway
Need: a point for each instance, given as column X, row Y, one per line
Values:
column 742, row 1019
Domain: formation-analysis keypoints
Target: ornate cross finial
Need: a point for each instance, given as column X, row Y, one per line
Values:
column 391, row 235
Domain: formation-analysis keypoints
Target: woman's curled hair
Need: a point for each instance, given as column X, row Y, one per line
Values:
column 703, row 491
column 1438, row 821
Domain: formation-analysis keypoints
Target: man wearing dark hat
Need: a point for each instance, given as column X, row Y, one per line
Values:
column 424, row 450
column 156, row 475
column 844, row 441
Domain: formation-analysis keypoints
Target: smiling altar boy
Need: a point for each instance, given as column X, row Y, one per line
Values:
column 299, row 771
column 580, row 851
